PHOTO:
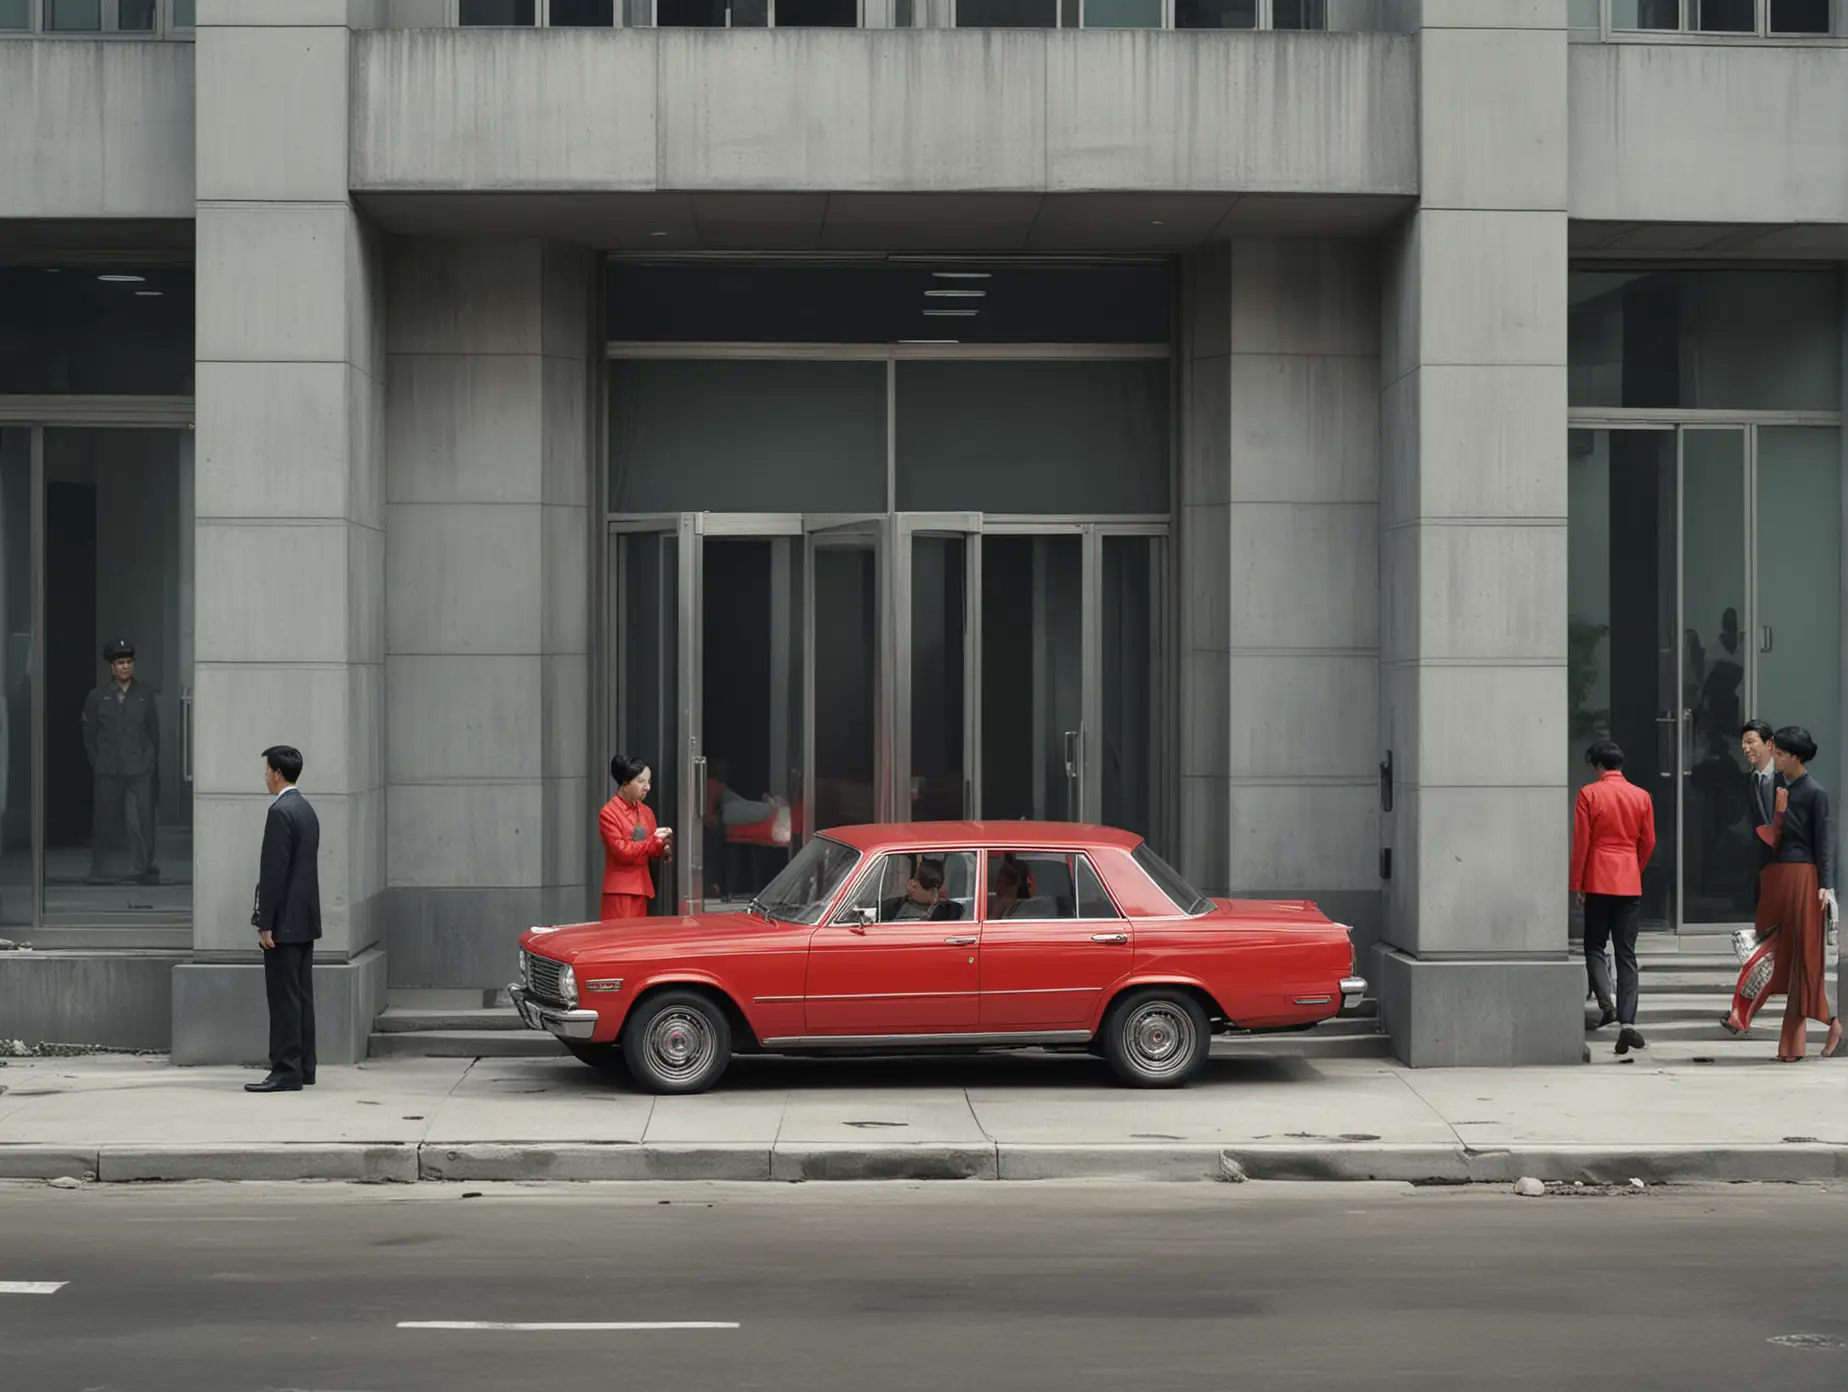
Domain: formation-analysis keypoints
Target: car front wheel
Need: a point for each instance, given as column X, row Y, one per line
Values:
column 677, row 1042
column 1157, row 1037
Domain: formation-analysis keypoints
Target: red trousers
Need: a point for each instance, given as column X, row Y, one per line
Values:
column 617, row 906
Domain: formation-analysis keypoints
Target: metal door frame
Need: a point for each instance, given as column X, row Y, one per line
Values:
column 822, row 529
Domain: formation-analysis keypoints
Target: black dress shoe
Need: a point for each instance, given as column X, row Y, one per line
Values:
column 307, row 1080
column 1608, row 1017
column 274, row 1085
column 1629, row 1040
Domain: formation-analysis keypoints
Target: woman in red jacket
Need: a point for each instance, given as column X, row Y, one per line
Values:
column 1613, row 836
column 630, row 840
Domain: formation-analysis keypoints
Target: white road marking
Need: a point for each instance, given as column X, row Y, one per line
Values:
column 31, row 1287
column 553, row 1326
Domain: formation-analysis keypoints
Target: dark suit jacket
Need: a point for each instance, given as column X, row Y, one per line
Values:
column 289, row 883
column 949, row 911
column 1762, row 811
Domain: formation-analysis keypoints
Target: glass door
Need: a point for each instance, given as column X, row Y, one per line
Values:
column 937, row 652
column 847, row 673
column 1033, row 730
column 654, row 604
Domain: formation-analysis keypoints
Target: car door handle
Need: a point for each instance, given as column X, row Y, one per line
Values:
column 1110, row 937
column 959, row 942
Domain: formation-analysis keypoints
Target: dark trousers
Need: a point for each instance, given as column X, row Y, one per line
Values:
column 1613, row 919
column 288, row 980
column 124, row 820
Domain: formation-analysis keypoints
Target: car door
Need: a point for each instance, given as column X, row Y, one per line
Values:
column 1047, row 961
column 887, row 965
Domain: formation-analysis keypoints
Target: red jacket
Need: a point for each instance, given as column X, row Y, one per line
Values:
column 629, row 843
column 1613, row 836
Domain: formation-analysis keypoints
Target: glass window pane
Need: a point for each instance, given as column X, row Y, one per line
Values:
column 1724, row 16
column 734, row 436
column 1033, row 437
column 183, row 13
column 119, row 563
column 1215, row 14
column 645, row 579
column 817, row 14
column 1645, row 14
column 1735, row 340
column 575, row 14
column 1032, row 685
column 1800, row 17
column 1130, row 663
column 15, row 14
column 120, row 331
column 1800, row 590
column 1299, row 14
column 750, row 14
column 73, row 16
column 638, row 14
column 846, row 634
column 135, row 16
column 1122, row 14
column 939, row 615
column 1007, row 14
column 498, row 12
column 1583, row 14
column 1093, row 902
column 15, row 675
column 690, row 14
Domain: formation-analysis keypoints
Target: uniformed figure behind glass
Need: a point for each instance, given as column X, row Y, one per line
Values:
column 121, row 734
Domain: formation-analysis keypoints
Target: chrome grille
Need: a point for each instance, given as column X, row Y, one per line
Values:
column 542, row 978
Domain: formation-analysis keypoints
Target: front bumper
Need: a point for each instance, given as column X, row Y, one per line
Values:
column 541, row 1015
column 1353, row 991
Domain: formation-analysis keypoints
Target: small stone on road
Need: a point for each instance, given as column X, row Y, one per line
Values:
column 1529, row 1188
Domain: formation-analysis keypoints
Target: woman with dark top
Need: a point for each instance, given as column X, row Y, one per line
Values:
column 1794, row 895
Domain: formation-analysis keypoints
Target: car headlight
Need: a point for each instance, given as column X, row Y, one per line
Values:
column 567, row 985
column 523, row 974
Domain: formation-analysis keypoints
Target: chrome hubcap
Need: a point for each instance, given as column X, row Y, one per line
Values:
column 1159, row 1037
column 680, row 1043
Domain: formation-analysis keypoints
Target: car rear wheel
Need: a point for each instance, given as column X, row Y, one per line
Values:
column 606, row 1057
column 676, row 1042
column 1157, row 1037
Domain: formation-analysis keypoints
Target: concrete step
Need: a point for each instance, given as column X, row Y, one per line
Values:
column 1317, row 1044
column 464, row 1043
column 397, row 1020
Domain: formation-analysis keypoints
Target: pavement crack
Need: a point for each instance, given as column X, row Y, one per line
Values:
column 1455, row 1135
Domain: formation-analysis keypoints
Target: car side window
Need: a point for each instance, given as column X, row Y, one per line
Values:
column 1043, row 886
column 1093, row 900
column 917, row 887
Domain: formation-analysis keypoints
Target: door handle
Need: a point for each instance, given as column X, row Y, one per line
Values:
column 1110, row 937
column 186, row 735
column 1071, row 753
column 958, row 942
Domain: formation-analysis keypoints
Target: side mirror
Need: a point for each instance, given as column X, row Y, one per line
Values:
column 857, row 918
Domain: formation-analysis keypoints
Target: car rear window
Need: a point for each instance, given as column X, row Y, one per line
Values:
column 1172, row 883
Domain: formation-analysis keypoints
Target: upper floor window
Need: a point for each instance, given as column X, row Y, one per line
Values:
column 1719, row 18
column 77, row 18
column 898, row 14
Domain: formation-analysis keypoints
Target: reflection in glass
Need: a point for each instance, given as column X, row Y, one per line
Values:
column 750, row 710
column 1130, row 616
column 15, row 676
column 1621, row 627
column 1800, row 17
column 1299, row 14
column 846, row 599
column 1645, row 14
column 690, row 14
column 645, row 573
column 15, row 14
column 1719, row 858
column 119, row 563
column 939, row 618
column 135, row 16
column 1007, row 14
column 1724, row 16
column 1122, row 14
column 583, row 14
column 111, row 330
column 184, row 12
column 1799, row 591
column 1032, row 663
column 818, row 14
column 750, row 14
column 73, row 16
column 1215, row 14
column 498, row 12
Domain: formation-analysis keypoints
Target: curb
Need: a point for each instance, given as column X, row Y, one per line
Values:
column 581, row 1161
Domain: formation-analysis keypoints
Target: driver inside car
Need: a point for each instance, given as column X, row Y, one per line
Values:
column 923, row 898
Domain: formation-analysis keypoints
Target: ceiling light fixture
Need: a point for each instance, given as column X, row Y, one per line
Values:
column 149, row 294
column 962, row 275
column 956, row 294
column 927, row 342
column 123, row 279
column 657, row 234
column 951, row 313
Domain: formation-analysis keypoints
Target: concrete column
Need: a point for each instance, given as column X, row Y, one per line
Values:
column 290, row 525
column 1475, row 967
column 487, row 615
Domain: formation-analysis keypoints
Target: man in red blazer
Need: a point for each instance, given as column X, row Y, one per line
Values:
column 1613, row 836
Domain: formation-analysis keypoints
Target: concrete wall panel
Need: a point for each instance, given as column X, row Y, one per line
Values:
column 267, row 269
column 1304, row 429
column 121, row 1002
column 453, row 716
column 1495, row 288
column 1449, row 750
column 1305, row 576
column 1308, row 715
column 466, row 835
column 1503, row 887
column 253, row 576
column 1313, row 296
column 460, row 428
column 1502, row 455
column 1497, row 107
column 464, row 295
column 272, row 435
column 262, row 140
column 1268, row 847
column 253, row 707
column 463, row 578
column 1492, row 591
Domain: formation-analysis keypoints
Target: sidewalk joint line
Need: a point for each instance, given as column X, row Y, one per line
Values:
column 1431, row 1107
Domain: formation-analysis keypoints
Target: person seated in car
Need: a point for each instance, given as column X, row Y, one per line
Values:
column 923, row 899
column 1011, row 889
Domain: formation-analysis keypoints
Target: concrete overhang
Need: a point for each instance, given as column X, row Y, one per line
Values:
column 1707, row 241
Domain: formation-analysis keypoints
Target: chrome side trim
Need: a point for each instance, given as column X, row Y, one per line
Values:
column 775, row 1000
column 1313, row 1000
column 916, row 1041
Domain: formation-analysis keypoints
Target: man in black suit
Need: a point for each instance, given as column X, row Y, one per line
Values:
column 287, row 918
column 1755, row 744
column 923, row 897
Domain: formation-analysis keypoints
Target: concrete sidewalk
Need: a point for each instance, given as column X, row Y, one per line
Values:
column 1663, row 1117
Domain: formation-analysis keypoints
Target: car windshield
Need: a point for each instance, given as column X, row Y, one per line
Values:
column 1170, row 882
column 802, row 893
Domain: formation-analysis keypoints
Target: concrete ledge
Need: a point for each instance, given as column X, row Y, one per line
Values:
column 220, row 1014
column 1161, row 1163
column 591, row 1161
column 45, row 1161
column 804, row 1162
column 364, row 1164
column 1481, row 1012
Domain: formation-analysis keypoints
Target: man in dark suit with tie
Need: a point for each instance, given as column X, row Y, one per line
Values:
column 1755, row 744
column 287, row 918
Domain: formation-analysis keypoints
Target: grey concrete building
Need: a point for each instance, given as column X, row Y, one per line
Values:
column 1290, row 428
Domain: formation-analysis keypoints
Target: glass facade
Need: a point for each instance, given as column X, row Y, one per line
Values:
column 109, row 331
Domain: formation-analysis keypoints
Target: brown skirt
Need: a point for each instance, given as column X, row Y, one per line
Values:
column 1787, row 902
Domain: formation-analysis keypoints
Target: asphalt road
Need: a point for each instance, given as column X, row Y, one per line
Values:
column 892, row 1287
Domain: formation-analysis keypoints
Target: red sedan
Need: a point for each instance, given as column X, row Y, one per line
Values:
column 942, row 936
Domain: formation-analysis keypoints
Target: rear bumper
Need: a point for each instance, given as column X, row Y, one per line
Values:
column 555, row 1019
column 1353, row 991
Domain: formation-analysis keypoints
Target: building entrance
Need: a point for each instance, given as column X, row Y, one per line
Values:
column 787, row 673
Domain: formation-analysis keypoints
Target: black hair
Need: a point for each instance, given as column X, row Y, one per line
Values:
column 1795, row 741
column 1761, row 728
column 1010, row 871
column 626, row 768
column 286, row 760
column 929, row 874
column 1605, row 754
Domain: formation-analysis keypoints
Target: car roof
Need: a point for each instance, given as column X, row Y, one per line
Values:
column 1018, row 836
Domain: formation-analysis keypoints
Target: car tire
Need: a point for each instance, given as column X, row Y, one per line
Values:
column 677, row 1042
column 1157, row 1037
column 606, row 1058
